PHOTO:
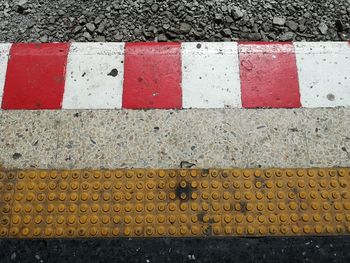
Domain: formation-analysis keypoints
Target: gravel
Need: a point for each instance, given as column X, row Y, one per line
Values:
column 172, row 20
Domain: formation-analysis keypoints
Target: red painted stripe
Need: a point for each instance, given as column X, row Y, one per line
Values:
column 35, row 76
column 152, row 76
column 269, row 76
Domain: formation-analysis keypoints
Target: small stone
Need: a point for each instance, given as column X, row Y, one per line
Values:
column 100, row 39
column 292, row 25
column 87, row 35
column 22, row 5
column 98, row 20
column 166, row 26
column 237, row 13
column 90, row 27
column 118, row 37
column 302, row 28
column 251, row 36
column 116, row 6
column 13, row 256
column 185, row 28
column 138, row 32
column 147, row 33
column 218, row 17
column 307, row 15
column 279, row 21
column 162, row 38
column 227, row 32
column 254, row 36
column 77, row 29
column 224, row 8
column 154, row 7
column 287, row 36
column 30, row 24
column 101, row 28
column 266, row 27
column 323, row 28
column 228, row 19
column 44, row 39
column 189, row 18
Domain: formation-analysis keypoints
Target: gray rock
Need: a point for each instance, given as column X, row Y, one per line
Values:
column 77, row 29
column 98, row 20
column 87, row 35
column 154, row 7
column 44, row 39
column 302, row 28
column 251, row 36
column 100, row 39
column 279, row 21
column 185, row 28
column 22, row 4
column 90, row 27
column 218, row 17
column 101, row 28
column 162, row 38
column 237, row 13
column 292, row 25
column 30, row 24
column 226, row 32
column 138, row 32
column 118, row 38
column 224, row 8
column 228, row 19
column 323, row 28
column 288, row 36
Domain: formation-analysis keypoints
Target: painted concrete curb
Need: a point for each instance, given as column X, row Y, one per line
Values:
column 174, row 75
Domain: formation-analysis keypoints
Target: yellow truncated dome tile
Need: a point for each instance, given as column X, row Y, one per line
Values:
column 174, row 203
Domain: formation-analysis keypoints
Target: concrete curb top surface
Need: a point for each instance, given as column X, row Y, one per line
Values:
column 174, row 75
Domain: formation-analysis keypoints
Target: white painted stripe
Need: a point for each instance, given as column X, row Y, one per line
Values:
column 210, row 75
column 324, row 73
column 4, row 55
column 94, row 78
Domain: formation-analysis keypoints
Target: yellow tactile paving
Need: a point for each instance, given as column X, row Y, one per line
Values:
column 177, row 203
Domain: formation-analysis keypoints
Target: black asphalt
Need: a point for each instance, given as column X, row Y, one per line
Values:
column 311, row 249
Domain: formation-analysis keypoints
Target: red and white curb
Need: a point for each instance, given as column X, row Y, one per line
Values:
column 174, row 75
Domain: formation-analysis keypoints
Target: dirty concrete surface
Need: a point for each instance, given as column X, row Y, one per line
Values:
column 163, row 139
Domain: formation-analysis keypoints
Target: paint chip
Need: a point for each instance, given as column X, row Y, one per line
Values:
column 16, row 156
column 331, row 97
column 114, row 72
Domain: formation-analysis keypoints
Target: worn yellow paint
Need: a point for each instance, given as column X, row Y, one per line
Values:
column 174, row 203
